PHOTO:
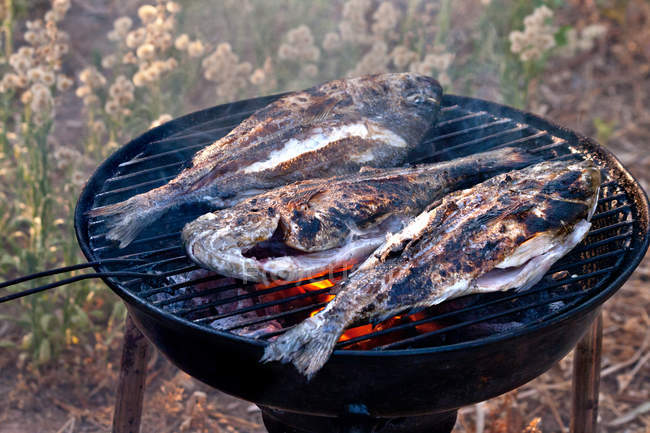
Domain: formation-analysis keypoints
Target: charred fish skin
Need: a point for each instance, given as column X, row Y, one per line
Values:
column 333, row 220
column 502, row 234
column 331, row 129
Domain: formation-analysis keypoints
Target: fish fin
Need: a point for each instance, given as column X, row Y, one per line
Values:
column 126, row 219
column 323, row 114
column 307, row 346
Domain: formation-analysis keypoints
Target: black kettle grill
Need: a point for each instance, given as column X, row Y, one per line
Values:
column 408, row 380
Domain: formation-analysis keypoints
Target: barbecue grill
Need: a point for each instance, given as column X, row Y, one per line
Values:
column 408, row 377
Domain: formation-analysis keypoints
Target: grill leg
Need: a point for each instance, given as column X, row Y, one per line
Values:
column 130, row 387
column 586, row 379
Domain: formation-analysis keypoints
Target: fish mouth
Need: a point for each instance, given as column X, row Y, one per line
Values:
column 300, row 266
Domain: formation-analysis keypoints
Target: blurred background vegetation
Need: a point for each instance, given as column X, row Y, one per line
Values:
column 77, row 80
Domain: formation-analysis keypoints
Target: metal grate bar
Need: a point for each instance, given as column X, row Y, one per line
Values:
column 601, row 230
column 620, row 196
column 619, row 210
column 131, row 175
column 139, row 241
column 265, row 292
column 150, row 183
column 561, row 265
column 309, row 294
column 478, row 140
column 143, row 240
column 141, row 254
column 276, row 316
column 601, row 243
column 235, row 117
column 462, row 118
column 169, row 273
column 152, row 159
column 471, row 130
column 238, row 285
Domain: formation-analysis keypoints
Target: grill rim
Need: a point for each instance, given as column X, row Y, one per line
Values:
column 639, row 241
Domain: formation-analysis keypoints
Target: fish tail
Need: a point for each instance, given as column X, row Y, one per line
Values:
column 126, row 219
column 307, row 346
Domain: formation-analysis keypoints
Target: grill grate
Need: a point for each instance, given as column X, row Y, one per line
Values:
column 202, row 298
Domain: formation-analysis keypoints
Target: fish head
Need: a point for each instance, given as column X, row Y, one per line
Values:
column 544, row 213
column 564, row 201
column 219, row 240
column 406, row 103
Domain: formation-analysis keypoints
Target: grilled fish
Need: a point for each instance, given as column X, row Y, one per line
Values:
column 331, row 129
column 502, row 234
column 316, row 225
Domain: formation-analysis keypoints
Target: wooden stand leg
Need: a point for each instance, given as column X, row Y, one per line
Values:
column 586, row 380
column 130, row 388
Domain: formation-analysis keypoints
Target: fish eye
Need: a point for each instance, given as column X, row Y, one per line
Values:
column 416, row 98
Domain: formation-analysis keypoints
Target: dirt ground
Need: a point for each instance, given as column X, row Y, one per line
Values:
column 610, row 83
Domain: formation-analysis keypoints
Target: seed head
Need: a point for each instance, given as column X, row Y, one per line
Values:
column 195, row 48
column 147, row 13
column 182, row 42
column 64, row 83
column 146, row 52
column 173, row 7
column 332, row 42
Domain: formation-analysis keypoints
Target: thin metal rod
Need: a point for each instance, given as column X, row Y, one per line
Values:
column 74, row 279
column 462, row 118
column 151, row 183
column 586, row 380
column 66, row 269
column 268, row 318
column 131, row 383
column 130, row 176
column 260, row 306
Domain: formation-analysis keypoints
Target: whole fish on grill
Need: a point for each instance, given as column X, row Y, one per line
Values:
column 311, row 226
column 502, row 234
column 331, row 129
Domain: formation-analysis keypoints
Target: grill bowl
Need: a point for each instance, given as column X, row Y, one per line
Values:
column 414, row 377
